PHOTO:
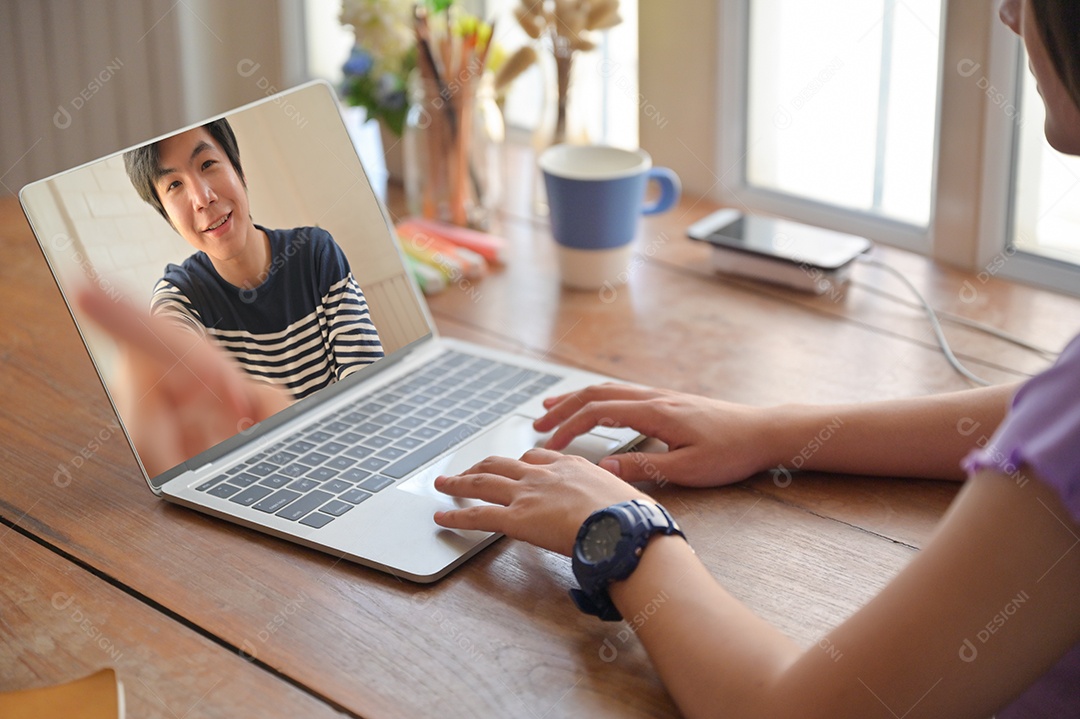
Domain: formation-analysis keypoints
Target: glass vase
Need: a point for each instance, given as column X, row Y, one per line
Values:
column 453, row 150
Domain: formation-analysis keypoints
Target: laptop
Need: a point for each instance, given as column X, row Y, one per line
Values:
column 349, row 468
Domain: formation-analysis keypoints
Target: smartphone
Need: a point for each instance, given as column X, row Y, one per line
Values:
column 779, row 251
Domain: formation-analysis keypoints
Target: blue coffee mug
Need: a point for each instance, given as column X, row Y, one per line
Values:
column 597, row 193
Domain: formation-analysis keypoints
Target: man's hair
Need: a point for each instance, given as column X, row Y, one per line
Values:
column 143, row 164
column 1059, row 25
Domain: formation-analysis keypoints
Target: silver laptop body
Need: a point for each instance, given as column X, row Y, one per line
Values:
column 375, row 505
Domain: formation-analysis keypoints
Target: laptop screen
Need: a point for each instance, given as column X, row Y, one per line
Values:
column 335, row 297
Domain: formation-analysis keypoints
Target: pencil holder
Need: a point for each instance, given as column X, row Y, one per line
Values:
column 453, row 149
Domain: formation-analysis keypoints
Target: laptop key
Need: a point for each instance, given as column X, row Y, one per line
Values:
column 426, row 432
column 394, row 432
column 337, row 427
column 355, row 496
column 244, row 479
column 354, row 475
column 262, row 469
column 340, row 462
column 280, row 458
column 350, row 438
column 336, row 507
column 314, row 458
column 277, row 500
column 369, row 428
column 305, row 504
column 430, row 451
column 275, row 480
column 304, row 484
column 224, row 490
column 486, row 417
column 251, row 495
column 317, row 520
column 332, row 448
column 319, row 436
column 301, row 446
column 443, row 423
column 410, row 422
column 391, row 453
column 322, row 474
column 358, row 452
column 336, row 486
column 377, row 442
column 294, row 470
column 376, row 483
column 210, row 483
column 407, row 443
column 373, row 463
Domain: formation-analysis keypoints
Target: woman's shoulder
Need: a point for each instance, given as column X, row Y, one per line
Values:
column 1042, row 430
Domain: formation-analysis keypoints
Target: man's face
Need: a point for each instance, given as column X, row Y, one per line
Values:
column 203, row 195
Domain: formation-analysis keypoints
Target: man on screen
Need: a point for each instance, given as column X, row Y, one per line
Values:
column 282, row 303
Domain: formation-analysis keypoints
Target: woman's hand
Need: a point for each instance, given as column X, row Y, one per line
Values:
column 543, row 498
column 710, row 443
column 178, row 394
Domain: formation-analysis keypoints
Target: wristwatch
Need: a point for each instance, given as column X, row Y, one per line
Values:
column 608, row 549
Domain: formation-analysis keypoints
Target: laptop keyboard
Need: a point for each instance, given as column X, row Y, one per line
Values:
column 328, row 468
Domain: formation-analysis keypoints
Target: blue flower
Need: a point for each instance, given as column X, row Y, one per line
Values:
column 359, row 62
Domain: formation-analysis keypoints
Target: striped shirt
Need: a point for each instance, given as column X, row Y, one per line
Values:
column 307, row 325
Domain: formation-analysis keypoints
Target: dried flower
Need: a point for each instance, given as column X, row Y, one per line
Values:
column 570, row 25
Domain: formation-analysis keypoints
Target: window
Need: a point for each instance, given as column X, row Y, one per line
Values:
column 1046, row 202
column 912, row 122
column 1030, row 224
column 842, row 103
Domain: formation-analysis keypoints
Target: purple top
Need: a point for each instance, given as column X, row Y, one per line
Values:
column 1042, row 431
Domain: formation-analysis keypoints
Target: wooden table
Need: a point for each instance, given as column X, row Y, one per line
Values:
column 200, row 616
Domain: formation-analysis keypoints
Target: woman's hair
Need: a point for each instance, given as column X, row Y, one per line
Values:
column 1059, row 25
column 143, row 164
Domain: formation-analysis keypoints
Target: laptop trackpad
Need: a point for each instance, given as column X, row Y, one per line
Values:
column 511, row 438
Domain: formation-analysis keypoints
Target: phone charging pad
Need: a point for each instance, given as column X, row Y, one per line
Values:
column 798, row 276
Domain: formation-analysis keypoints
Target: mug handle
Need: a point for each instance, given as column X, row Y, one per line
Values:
column 670, row 190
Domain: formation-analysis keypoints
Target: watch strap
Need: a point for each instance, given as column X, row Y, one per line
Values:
column 645, row 519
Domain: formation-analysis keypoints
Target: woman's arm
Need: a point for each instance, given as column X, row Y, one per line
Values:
column 978, row 615
column 713, row 442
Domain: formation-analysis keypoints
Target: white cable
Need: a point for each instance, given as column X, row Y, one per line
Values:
column 932, row 315
column 973, row 324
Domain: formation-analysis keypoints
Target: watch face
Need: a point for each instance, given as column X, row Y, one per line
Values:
column 601, row 539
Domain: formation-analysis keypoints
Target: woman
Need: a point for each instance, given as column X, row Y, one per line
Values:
column 1012, row 532
column 1014, row 527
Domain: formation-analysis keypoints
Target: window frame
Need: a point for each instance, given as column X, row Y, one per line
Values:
column 969, row 221
column 995, row 253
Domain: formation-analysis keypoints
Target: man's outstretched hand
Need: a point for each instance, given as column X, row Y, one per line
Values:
column 177, row 393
